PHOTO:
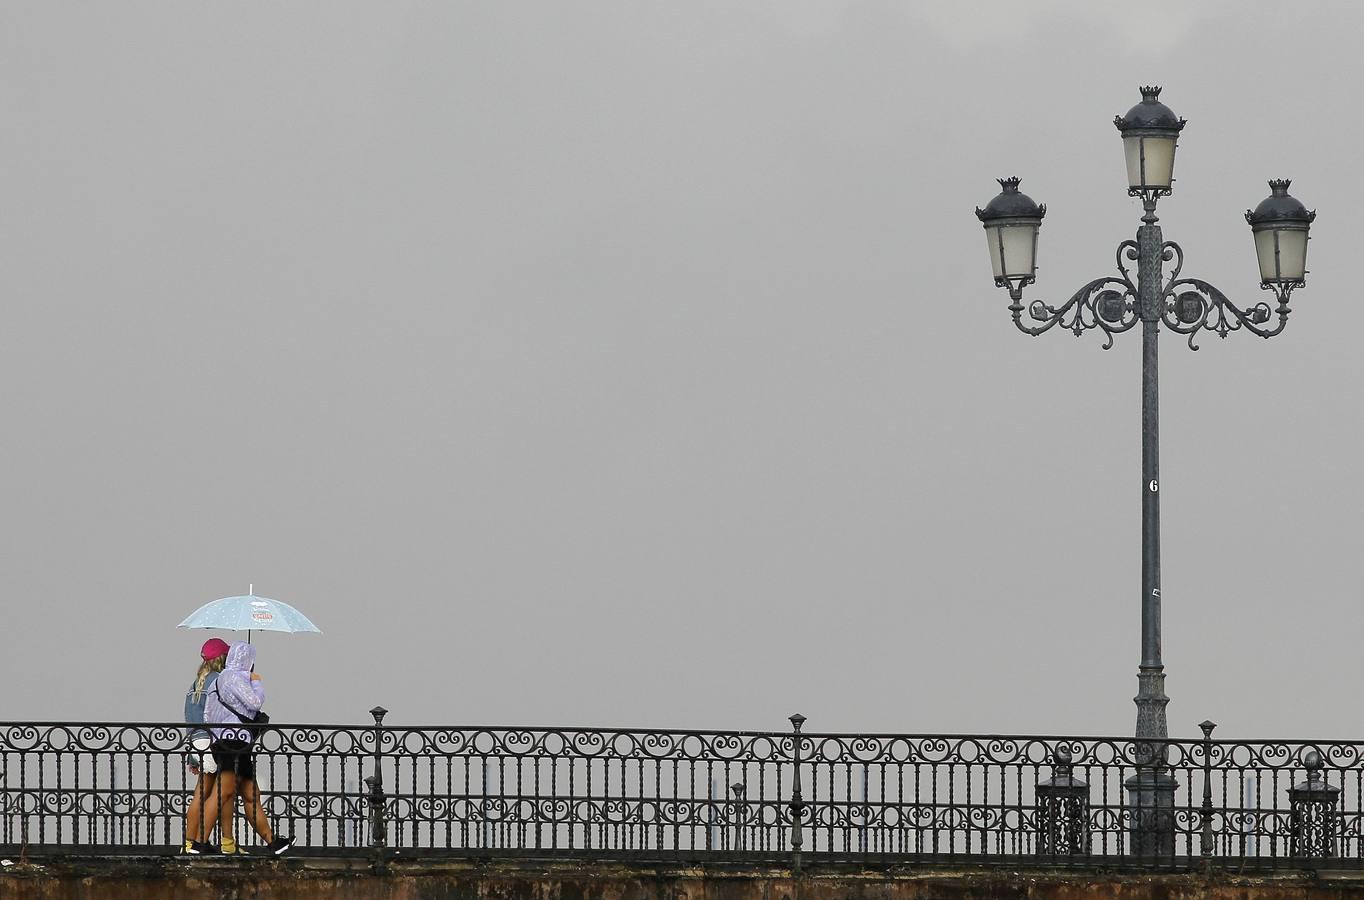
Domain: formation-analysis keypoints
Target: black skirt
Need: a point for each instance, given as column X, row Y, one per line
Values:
column 234, row 756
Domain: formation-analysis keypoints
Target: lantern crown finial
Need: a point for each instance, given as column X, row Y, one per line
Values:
column 1011, row 203
column 1150, row 115
column 1280, row 206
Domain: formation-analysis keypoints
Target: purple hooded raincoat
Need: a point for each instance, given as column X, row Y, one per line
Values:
column 235, row 686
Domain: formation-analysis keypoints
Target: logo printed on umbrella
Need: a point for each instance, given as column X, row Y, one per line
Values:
column 262, row 616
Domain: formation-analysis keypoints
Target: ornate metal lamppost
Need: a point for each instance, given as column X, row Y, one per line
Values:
column 1186, row 306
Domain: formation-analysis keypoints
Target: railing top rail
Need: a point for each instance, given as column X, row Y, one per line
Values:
column 808, row 737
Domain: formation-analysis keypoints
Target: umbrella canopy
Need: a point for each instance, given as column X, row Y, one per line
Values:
column 249, row 613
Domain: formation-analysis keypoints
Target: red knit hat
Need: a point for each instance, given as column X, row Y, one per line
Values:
column 214, row 648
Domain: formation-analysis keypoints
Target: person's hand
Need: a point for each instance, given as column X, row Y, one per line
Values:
column 255, row 676
column 194, row 770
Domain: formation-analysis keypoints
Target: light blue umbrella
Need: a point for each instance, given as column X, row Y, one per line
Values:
column 249, row 613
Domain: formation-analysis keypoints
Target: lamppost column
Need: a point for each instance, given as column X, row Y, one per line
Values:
column 1150, row 699
column 1151, row 791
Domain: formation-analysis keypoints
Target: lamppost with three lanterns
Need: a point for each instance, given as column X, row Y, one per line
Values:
column 1187, row 306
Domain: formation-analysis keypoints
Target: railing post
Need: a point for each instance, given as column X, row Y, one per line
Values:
column 1205, row 812
column 797, row 805
column 1063, row 809
column 738, row 791
column 1313, row 817
column 378, row 824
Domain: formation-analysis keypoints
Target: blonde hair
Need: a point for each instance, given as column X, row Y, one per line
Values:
column 209, row 665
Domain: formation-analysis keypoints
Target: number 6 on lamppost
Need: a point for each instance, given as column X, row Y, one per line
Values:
column 1114, row 304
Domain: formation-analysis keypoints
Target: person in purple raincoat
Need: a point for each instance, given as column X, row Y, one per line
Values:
column 236, row 697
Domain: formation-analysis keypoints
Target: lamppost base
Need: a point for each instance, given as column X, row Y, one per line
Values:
column 1151, row 813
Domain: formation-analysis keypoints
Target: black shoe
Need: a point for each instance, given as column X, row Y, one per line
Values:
column 199, row 848
column 279, row 846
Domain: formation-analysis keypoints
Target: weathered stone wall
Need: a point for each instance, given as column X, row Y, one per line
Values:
column 312, row 879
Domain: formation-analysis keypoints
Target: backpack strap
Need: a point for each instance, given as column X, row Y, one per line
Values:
column 230, row 708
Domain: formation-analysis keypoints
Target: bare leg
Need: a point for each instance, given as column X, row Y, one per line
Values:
column 255, row 812
column 227, row 801
column 203, row 809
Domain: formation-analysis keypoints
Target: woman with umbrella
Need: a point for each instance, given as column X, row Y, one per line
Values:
column 237, row 697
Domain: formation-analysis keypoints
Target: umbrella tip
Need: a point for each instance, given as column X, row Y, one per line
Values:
column 250, row 590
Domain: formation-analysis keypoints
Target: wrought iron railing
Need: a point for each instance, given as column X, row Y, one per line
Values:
column 788, row 797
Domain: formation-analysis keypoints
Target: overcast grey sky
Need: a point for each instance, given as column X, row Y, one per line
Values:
column 633, row 363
